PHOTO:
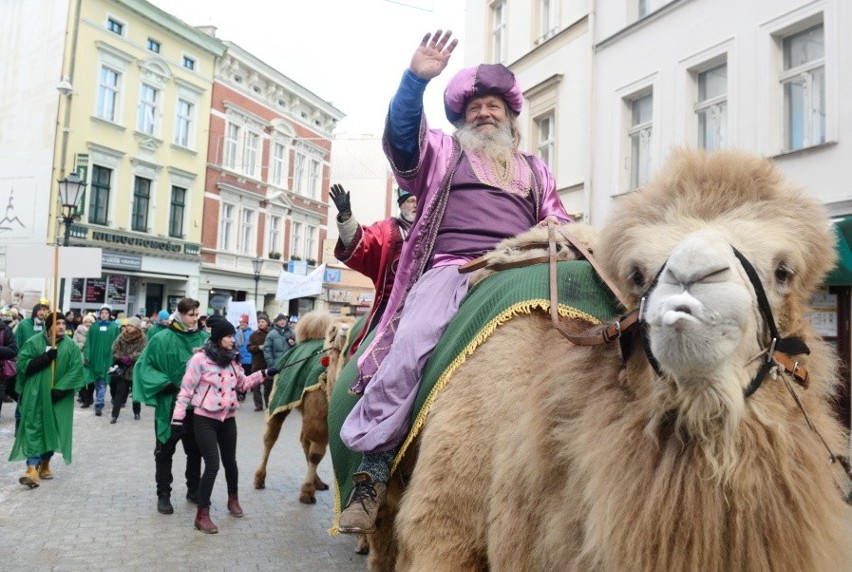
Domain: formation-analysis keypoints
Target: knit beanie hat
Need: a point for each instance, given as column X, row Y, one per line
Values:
column 135, row 322
column 163, row 315
column 52, row 317
column 220, row 328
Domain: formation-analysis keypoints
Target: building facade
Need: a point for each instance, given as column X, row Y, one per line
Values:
column 131, row 121
column 267, row 183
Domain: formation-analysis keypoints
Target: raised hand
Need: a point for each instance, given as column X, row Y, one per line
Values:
column 340, row 196
column 432, row 55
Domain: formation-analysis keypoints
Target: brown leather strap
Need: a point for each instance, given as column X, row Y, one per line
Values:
column 794, row 368
column 581, row 250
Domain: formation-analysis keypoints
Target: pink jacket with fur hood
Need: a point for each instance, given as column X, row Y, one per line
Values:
column 212, row 389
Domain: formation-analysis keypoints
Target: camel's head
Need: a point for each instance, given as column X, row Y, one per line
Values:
column 673, row 242
column 336, row 341
column 313, row 326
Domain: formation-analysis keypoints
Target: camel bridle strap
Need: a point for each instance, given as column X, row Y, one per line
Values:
column 780, row 349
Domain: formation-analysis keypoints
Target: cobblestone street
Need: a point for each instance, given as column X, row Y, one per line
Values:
column 99, row 513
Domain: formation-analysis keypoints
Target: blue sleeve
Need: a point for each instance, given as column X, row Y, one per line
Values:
column 404, row 116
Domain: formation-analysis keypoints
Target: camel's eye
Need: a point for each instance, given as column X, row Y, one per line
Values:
column 783, row 274
column 637, row 278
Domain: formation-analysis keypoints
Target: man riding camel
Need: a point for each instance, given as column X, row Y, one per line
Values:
column 474, row 188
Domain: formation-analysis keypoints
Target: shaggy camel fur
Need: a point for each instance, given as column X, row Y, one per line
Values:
column 542, row 455
column 314, row 404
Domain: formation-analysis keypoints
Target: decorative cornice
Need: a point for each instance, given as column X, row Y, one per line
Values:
column 177, row 27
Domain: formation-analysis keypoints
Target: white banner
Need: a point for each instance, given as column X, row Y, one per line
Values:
column 39, row 261
column 295, row 286
column 238, row 309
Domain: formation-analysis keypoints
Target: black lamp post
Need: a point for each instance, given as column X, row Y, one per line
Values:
column 256, row 264
column 70, row 194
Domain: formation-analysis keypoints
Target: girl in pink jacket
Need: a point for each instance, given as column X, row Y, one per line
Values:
column 210, row 385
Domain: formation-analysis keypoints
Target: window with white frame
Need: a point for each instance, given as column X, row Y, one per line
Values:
column 314, row 178
column 107, row 93
column 115, row 26
column 278, row 173
column 548, row 18
column 251, row 156
column 712, row 107
column 246, row 245
column 546, row 131
column 296, row 239
column 183, row 122
column 148, row 98
column 498, row 31
column 803, row 81
column 232, row 141
column 274, row 236
column 226, row 226
column 299, row 175
column 188, row 62
column 639, row 134
column 154, row 45
column 310, row 243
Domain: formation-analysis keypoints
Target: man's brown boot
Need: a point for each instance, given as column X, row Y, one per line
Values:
column 234, row 505
column 203, row 522
column 359, row 516
column 44, row 470
column 30, row 478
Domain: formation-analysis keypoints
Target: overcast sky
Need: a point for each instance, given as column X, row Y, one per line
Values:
column 349, row 52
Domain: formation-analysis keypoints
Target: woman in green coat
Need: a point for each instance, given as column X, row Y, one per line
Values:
column 48, row 375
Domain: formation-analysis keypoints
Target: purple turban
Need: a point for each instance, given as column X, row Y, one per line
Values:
column 484, row 79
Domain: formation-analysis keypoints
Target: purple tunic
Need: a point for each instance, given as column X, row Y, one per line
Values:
column 478, row 217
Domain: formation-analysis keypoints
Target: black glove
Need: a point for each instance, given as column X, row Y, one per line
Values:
column 57, row 394
column 341, row 200
column 38, row 363
column 170, row 389
column 178, row 430
column 271, row 371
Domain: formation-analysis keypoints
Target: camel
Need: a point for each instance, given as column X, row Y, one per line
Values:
column 313, row 402
column 540, row 454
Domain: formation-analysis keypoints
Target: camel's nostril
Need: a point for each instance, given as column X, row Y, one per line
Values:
column 684, row 310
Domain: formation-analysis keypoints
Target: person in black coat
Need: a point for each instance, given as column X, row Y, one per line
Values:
column 8, row 353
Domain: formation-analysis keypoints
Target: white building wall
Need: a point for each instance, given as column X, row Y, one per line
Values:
column 32, row 38
column 661, row 53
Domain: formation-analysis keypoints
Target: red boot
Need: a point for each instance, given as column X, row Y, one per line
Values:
column 234, row 505
column 203, row 522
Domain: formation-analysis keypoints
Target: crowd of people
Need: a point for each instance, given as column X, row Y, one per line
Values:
column 459, row 195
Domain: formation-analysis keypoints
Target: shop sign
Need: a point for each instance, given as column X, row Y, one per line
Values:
column 122, row 261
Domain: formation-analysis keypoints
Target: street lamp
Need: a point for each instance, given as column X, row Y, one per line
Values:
column 70, row 194
column 256, row 264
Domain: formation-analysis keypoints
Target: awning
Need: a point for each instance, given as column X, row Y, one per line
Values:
column 842, row 273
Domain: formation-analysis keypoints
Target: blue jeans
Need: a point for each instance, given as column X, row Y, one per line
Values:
column 100, row 390
column 34, row 461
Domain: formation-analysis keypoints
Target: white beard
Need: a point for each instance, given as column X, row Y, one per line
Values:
column 497, row 147
column 407, row 216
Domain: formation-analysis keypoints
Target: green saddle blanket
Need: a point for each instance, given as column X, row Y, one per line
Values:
column 489, row 304
column 300, row 372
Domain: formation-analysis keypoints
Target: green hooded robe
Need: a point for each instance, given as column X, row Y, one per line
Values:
column 98, row 348
column 163, row 362
column 25, row 330
column 47, row 426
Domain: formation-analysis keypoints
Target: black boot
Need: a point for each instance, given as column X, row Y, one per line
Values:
column 164, row 505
